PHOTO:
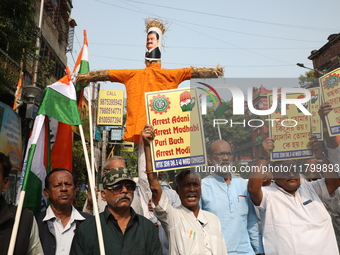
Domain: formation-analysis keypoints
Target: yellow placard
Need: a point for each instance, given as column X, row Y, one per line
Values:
column 110, row 107
column 176, row 118
column 291, row 132
column 313, row 108
column 330, row 89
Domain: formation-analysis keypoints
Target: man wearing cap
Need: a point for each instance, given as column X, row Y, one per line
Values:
column 113, row 162
column 124, row 231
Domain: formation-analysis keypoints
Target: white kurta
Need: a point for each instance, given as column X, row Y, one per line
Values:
column 187, row 234
column 297, row 225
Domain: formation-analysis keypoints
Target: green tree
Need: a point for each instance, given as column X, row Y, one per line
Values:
column 235, row 135
column 79, row 170
column 17, row 37
column 131, row 159
column 307, row 80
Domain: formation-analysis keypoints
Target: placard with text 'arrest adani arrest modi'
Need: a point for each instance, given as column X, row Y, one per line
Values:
column 176, row 118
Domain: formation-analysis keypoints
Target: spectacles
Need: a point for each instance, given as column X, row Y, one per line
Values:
column 117, row 188
column 223, row 154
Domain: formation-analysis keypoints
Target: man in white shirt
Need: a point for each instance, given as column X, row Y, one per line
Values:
column 294, row 219
column 58, row 223
column 190, row 230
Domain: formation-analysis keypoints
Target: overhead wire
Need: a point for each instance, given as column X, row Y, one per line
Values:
column 139, row 10
column 199, row 32
column 236, row 18
column 200, row 25
column 200, row 48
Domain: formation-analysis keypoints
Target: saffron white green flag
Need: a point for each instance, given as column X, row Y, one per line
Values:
column 82, row 66
column 58, row 103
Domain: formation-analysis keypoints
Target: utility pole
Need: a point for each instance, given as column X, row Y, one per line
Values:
column 104, row 144
column 37, row 44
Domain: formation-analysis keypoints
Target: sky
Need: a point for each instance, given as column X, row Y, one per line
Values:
column 250, row 39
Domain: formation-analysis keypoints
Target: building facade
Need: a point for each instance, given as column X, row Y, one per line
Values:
column 327, row 58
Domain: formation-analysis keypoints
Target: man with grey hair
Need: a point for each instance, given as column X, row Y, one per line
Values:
column 124, row 231
column 110, row 163
column 189, row 229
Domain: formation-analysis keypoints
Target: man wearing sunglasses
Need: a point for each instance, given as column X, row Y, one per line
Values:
column 226, row 195
column 124, row 231
column 111, row 163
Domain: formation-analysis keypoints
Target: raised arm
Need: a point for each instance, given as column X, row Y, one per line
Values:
column 148, row 135
column 255, row 179
column 331, row 177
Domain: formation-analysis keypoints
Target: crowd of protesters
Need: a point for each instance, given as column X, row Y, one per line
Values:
column 282, row 212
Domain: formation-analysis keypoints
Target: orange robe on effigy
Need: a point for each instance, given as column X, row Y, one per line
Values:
column 139, row 81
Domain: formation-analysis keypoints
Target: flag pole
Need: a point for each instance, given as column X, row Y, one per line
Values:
column 21, row 201
column 16, row 223
column 219, row 131
column 93, row 193
column 91, row 131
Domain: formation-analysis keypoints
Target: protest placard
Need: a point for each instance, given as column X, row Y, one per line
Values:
column 176, row 118
column 313, row 108
column 291, row 132
column 330, row 89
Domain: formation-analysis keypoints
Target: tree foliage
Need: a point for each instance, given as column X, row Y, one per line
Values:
column 235, row 135
column 18, row 30
column 307, row 80
column 79, row 170
column 131, row 159
column 17, row 37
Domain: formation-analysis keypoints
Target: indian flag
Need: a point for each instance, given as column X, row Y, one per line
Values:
column 60, row 102
column 82, row 66
column 18, row 93
column 58, row 107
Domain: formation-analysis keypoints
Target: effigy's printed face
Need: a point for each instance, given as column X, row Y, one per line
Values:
column 151, row 41
column 153, row 44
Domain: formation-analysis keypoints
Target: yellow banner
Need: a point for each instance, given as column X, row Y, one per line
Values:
column 330, row 89
column 176, row 118
column 291, row 132
column 110, row 107
column 313, row 108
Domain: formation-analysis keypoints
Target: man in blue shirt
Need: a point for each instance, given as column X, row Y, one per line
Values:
column 226, row 196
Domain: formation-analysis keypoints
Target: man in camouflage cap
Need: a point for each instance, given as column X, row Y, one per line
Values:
column 116, row 175
column 135, row 234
